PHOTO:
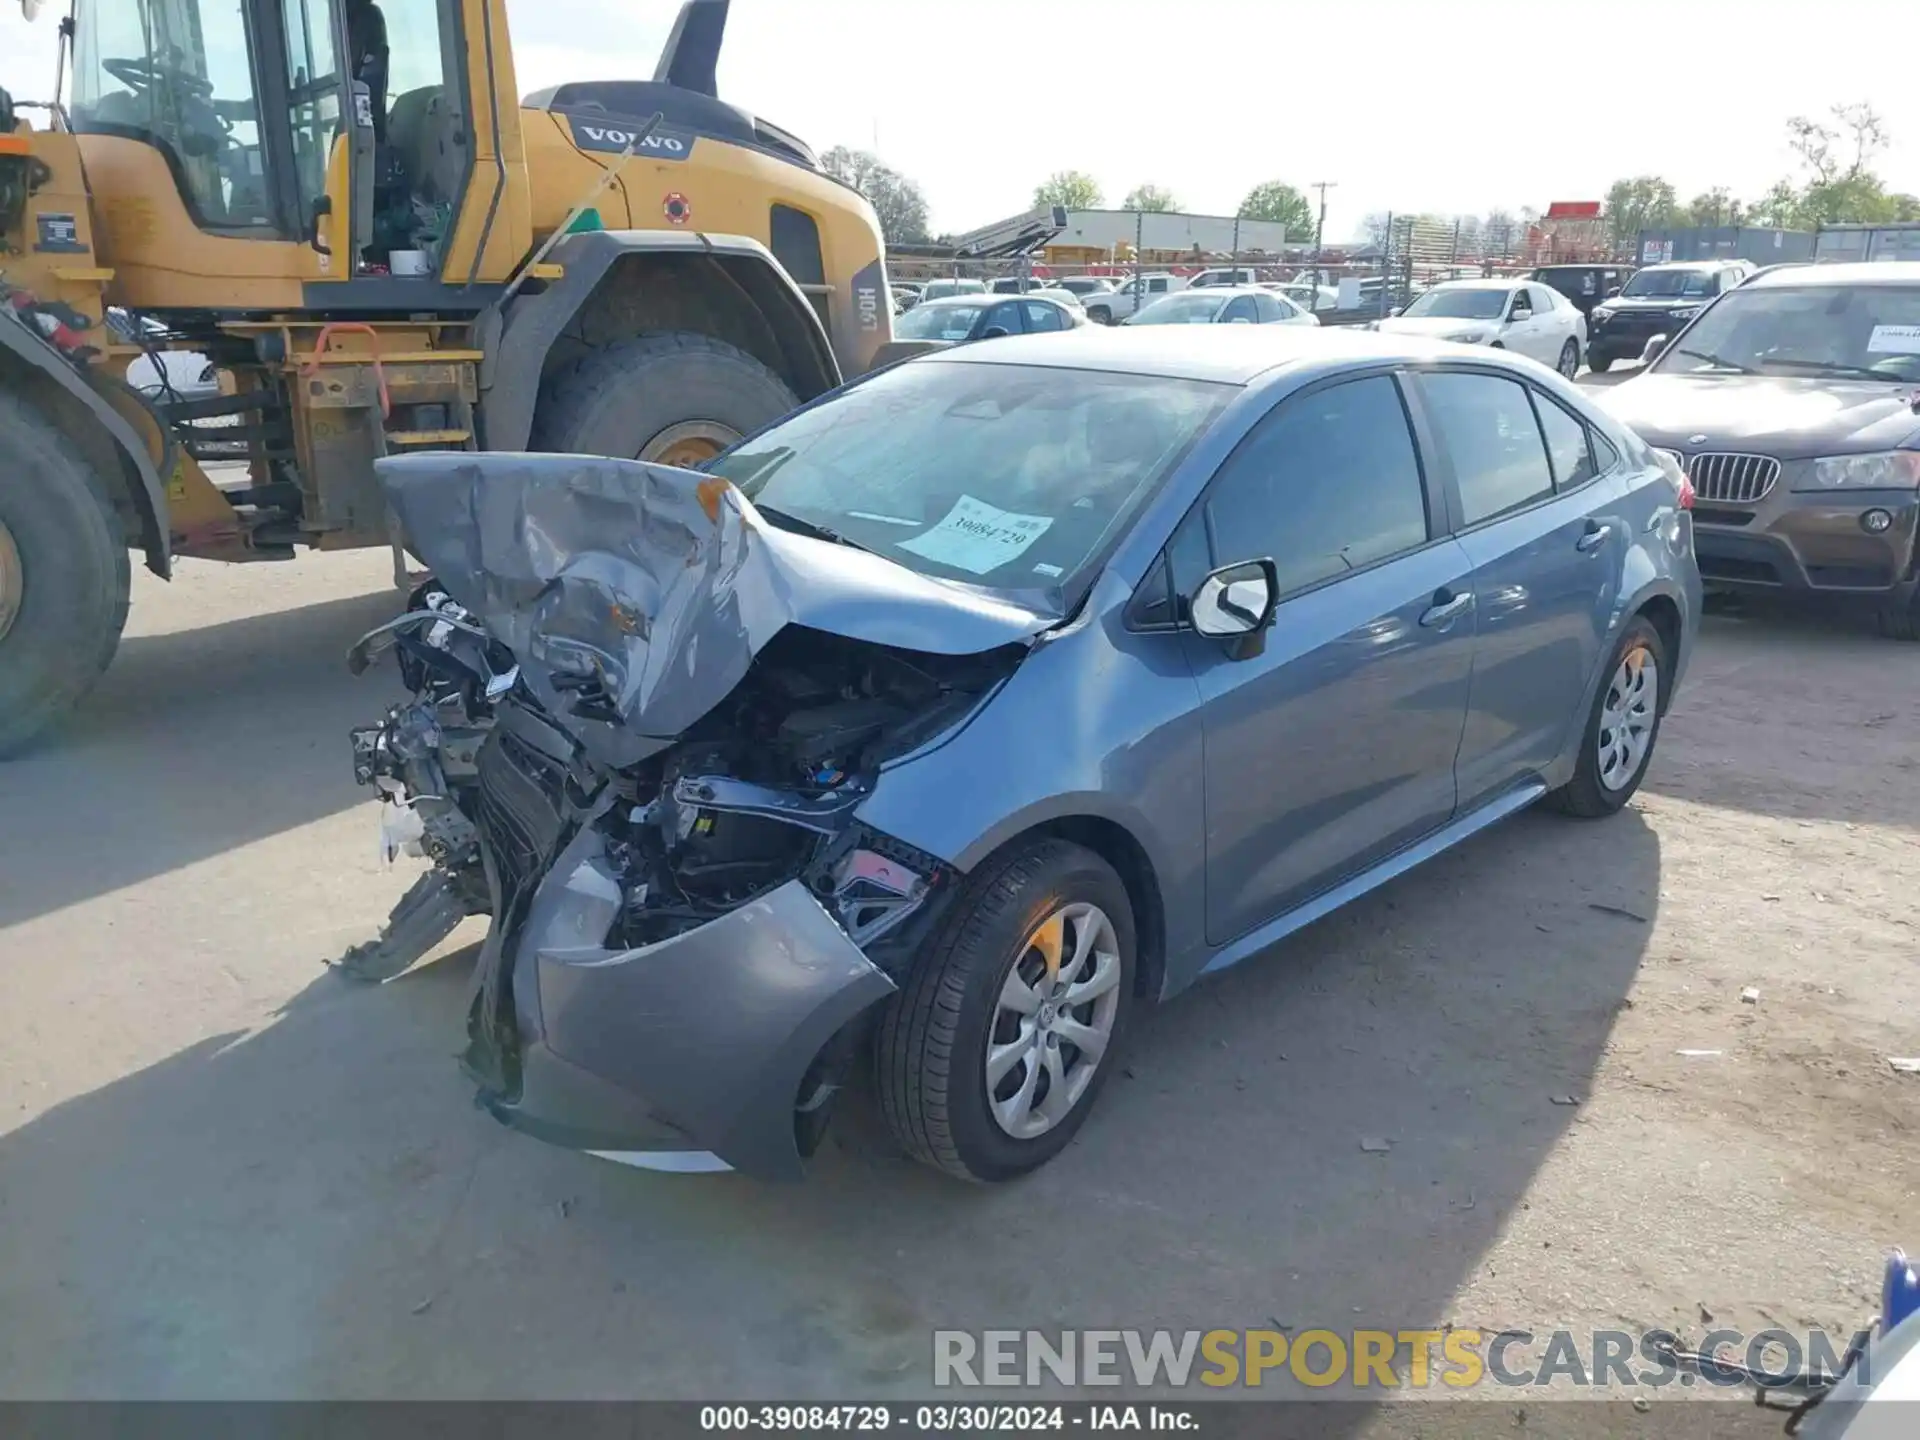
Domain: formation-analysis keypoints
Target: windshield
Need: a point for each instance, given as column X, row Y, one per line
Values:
column 1459, row 305
column 1187, row 309
column 937, row 322
column 1867, row 332
column 937, row 288
column 1670, row 284
column 1009, row 476
column 178, row 77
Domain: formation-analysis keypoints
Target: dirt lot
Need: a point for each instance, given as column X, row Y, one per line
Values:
column 224, row 1172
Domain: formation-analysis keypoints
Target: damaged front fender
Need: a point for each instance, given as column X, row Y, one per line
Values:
column 699, row 1042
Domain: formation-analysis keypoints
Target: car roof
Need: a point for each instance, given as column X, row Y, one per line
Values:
column 970, row 297
column 1494, row 283
column 1870, row 272
column 1216, row 292
column 1719, row 264
column 1229, row 354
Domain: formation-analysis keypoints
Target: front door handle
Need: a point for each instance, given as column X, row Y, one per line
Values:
column 1594, row 537
column 1446, row 608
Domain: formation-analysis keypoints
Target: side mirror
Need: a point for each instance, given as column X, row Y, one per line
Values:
column 1394, row 311
column 994, row 332
column 1236, row 603
column 1653, row 349
column 1612, row 290
column 1521, row 312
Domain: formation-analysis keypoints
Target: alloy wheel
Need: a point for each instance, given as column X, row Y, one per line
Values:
column 1627, row 716
column 1570, row 360
column 1053, row 1020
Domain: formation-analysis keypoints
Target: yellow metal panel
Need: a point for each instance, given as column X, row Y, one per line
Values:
column 163, row 259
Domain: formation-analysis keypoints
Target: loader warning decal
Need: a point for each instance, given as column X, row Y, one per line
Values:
column 594, row 132
column 58, row 235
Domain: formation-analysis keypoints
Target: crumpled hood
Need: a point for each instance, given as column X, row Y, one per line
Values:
column 1788, row 417
column 639, row 594
column 1434, row 326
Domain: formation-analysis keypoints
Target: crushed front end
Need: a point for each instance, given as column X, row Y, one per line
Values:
column 691, row 930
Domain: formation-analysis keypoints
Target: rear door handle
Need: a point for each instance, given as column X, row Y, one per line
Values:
column 1595, row 536
column 1446, row 608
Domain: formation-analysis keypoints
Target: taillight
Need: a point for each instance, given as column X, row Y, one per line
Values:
column 1686, row 493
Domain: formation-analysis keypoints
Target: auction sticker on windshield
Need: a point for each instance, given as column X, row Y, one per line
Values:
column 978, row 537
column 1895, row 340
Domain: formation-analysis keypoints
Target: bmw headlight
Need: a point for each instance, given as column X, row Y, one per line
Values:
column 1467, row 337
column 1886, row 470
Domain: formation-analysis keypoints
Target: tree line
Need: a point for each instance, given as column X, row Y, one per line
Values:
column 1835, row 183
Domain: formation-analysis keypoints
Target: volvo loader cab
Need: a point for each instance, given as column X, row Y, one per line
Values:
column 346, row 207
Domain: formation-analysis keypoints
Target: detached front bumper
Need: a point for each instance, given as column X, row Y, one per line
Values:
column 700, row 1043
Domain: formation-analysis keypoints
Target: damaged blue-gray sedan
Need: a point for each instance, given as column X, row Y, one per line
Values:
column 943, row 723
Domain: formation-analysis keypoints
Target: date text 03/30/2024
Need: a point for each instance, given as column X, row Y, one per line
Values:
column 945, row 1419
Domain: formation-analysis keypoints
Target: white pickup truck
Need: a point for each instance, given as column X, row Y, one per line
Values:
column 1130, row 295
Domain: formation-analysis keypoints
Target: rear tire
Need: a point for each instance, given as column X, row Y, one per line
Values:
column 1569, row 365
column 64, row 575
column 675, row 397
column 1599, row 364
column 1588, row 794
column 1100, row 314
column 931, row 1050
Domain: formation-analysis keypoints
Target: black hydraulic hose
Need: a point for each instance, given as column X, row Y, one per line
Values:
column 499, row 159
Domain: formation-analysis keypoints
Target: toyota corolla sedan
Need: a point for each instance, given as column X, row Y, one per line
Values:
column 952, row 718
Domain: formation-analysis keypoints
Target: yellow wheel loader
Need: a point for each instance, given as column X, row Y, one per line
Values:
column 375, row 246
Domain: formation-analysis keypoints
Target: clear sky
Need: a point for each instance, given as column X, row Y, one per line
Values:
column 1411, row 105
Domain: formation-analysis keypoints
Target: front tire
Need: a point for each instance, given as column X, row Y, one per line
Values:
column 990, row 1057
column 1100, row 314
column 1599, row 364
column 64, row 575
column 675, row 398
column 1900, row 614
column 1617, row 744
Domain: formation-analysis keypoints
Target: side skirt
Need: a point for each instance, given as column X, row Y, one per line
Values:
column 1397, row 863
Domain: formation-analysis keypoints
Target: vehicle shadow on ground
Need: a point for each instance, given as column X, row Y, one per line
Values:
column 195, row 742
column 316, row 1210
column 1779, row 716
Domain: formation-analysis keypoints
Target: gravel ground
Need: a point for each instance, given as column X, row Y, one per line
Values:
column 224, row 1172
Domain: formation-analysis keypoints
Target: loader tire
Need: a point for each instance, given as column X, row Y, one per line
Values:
column 64, row 575
column 675, row 398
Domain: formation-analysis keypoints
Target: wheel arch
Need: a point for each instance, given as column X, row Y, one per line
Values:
column 1120, row 848
column 100, row 432
column 1663, row 613
column 620, row 284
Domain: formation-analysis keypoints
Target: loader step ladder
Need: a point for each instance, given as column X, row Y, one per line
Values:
column 458, row 436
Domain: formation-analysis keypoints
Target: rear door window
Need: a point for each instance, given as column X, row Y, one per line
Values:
column 1490, row 434
column 1568, row 444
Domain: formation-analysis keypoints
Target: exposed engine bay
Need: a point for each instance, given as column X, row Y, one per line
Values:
column 640, row 728
column 759, row 791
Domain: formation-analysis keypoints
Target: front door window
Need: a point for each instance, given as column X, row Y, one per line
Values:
column 313, row 93
column 178, row 75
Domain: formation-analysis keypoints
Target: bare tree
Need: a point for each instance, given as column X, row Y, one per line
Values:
column 896, row 200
